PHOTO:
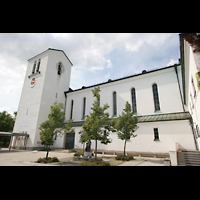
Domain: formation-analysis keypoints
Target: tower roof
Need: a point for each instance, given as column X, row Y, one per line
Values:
column 53, row 50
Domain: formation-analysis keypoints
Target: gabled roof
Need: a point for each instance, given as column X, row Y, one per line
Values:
column 53, row 50
column 110, row 81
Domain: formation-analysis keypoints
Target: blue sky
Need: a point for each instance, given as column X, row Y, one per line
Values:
column 96, row 57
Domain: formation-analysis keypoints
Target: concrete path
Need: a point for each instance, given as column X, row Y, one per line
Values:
column 144, row 161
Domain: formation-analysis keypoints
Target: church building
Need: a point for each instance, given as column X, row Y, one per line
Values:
column 165, row 100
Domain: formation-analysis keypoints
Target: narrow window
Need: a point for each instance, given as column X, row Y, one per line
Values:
column 191, row 101
column 197, row 130
column 55, row 136
column 56, row 95
column 59, row 68
column 99, row 100
column 38, row 65
column 84, row 102
column 134, row 109
column 156, row 136
column 156, row 98
column 194, row 88
column 72, row 102
column 34, row 65
column 114, row 103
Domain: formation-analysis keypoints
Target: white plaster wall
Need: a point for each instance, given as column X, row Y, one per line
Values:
column 39, row 98
column 191, row 70
column 169, row 132
column 53, row 84
column 30, row 100
column 168, row 90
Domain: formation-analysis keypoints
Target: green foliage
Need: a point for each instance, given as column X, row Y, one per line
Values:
column 124, row 158
column 48, row 160
column 126, row 124
column 96, row 122
column 54, row 126
column 79, row 153
column 94, row 163
column 198, row 79
column 6, row 122
column 83, row 138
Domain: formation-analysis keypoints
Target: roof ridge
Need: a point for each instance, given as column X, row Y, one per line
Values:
column 54, row 50
column 125, row 77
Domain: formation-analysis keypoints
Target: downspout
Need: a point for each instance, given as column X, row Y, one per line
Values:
column 175, row 67
column 65, row 101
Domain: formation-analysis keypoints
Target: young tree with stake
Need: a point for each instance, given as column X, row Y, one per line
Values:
column 54, row 125
column 96, row 122
column 126, row 124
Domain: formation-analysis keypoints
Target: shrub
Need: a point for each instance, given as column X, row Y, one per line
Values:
column 94, row 163
column 79, row 154
column 49, row 160
column 124, row 158
column 54, row 159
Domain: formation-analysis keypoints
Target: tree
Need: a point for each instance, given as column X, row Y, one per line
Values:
column 50, row 128
column 6, row 121
column 126, row 124
column 6, row 125
column 96, row 123
column 194, row 40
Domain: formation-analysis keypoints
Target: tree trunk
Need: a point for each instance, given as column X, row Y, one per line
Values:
column 47, row 152
column 95, row 150
column 124, row 147
column 83, row 147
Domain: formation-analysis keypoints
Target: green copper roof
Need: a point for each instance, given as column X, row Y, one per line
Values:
column 164, row 117
column 154, row 118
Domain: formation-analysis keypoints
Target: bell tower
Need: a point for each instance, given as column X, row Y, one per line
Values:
column 47, row 78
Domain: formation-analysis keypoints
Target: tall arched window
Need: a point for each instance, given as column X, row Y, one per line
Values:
column 155, row 97
column 133, row 97
column 114, row 103
column 84, row 103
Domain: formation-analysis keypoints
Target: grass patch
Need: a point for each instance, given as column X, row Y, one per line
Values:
column 94, row 163
column 49, row 160
column 124, row 158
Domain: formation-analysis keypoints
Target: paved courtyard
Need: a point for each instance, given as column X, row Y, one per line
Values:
column 144, row 161
column 28, row 158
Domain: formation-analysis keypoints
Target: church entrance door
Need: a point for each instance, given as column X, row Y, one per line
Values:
column 69, row 142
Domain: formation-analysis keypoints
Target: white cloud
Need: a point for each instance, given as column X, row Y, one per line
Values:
column 107, row 76
column 89, row 53
column 133, row 42
column 172, row 62
column 6, row 109
column 108, row 63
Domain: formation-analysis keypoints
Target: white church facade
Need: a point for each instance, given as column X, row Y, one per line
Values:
column 160, row 98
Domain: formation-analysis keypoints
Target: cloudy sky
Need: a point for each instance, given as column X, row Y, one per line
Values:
column 96, row 57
